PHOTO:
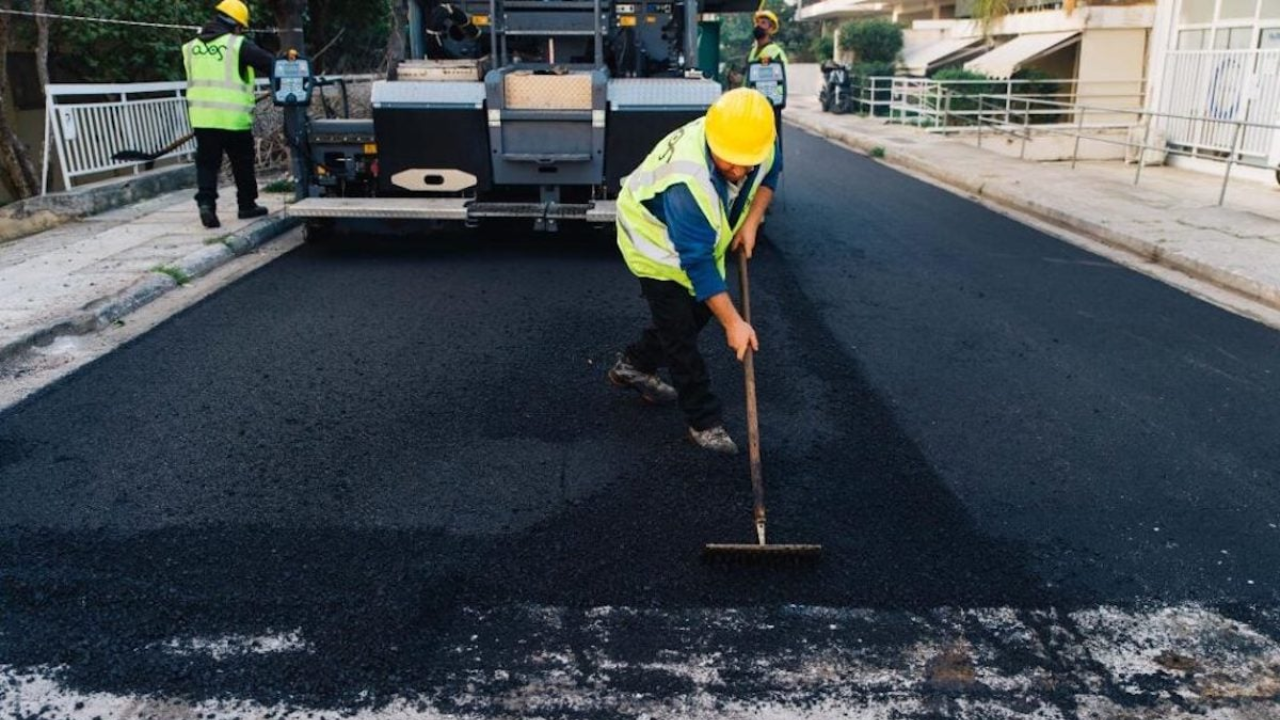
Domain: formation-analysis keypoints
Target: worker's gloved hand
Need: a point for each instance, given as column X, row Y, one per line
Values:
column 741, row 336
column 745, row 240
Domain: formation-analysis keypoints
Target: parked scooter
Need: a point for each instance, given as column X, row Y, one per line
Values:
column 836, row 95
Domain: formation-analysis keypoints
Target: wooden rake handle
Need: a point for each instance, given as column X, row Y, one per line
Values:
column 753, row 418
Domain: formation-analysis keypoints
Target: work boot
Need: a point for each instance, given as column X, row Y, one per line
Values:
column 651, row 387
column 252, row 211
column 209, row 216
column 715, row 439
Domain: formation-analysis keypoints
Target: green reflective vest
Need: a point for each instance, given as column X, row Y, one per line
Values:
column 774, row 86
column 217, row 96
column 680, row 158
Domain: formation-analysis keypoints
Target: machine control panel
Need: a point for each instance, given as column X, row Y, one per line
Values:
column 292, row 82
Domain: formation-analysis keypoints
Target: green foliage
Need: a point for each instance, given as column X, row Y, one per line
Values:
column 102, row 52
column 364, row 27
column 964, row 96
column 179, row 276
column 873, row 69
column 877, row 152
column 871, row 40
column 957, row 73
column 822, row 48
column 283, row 185
column 1040, row 86
column 988, row 13
column 105, row 52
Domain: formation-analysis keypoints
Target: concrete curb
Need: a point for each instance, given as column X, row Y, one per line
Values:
column 1003, row 194
column 103, row 312
column 37, row 214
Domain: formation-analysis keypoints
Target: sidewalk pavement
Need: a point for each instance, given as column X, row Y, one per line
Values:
column 1171, row 218
column 86, row 274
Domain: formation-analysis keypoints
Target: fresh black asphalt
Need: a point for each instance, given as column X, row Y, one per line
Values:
column 368, row 439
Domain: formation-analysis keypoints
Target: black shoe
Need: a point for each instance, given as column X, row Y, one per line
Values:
column 649, row 385
column 715, row 439
column 209, row 216
column 252, row 211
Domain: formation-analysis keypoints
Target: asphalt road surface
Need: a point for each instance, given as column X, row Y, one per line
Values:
column 388, row 477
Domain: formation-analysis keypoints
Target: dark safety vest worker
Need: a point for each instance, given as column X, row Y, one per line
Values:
column 221, row 66
column 700, row 193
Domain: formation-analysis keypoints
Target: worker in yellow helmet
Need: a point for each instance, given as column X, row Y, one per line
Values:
column 221, row 66
column 767, row 64
column 702, row 191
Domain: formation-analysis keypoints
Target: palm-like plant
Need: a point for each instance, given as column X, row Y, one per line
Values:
column 987, row 13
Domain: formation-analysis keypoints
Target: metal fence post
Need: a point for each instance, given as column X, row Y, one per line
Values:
column 1075, row 152
column 979, row 120
column 1142, row 154
column 1008, row 100
column 946, row 111
column 1026, row 127
column 44, row 163
column 1231, row 159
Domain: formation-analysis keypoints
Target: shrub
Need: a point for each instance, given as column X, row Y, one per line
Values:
column 872, row 40
column 1040, row 85
column 822, row 48
column 964, row 97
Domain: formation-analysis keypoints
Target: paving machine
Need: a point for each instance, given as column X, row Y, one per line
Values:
column 530, row 109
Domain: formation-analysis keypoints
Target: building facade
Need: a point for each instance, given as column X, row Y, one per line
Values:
column 1215, row 67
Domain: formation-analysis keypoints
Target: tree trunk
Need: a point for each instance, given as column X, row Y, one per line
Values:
column 318, row 14
column 395, row 40
column 289, row 15
column 42, row 43
column 16, row 170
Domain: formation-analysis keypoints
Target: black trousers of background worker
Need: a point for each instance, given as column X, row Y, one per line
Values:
column 672, row 341
column 238, row 146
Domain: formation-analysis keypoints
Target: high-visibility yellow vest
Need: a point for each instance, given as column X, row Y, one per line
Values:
column 680, row 158
column 775, row 90
column 217, row 96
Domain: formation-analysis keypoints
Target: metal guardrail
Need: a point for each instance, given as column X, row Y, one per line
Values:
column 873, row 94
column 1142, row 119
column 934, row 104
column 87, row 123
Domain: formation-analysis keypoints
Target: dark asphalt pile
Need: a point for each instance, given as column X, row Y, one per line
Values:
column 388, row 447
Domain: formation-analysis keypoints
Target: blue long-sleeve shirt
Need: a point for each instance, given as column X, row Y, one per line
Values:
column 694, row 237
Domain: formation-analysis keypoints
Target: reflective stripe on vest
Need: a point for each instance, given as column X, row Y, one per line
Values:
column 681, row 158
column 217, row 97
column 776, row 91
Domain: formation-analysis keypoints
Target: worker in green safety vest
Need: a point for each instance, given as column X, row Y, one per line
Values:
column 767, row 64
column 221, row 66
column 701, row 192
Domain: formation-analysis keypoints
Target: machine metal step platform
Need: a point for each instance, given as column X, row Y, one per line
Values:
column 598, row 212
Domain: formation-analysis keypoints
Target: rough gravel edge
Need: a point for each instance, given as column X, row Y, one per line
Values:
column 106, row 310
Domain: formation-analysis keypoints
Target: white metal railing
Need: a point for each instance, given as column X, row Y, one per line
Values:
column 941, row 104
column 992, row 109
column 87, row 123
column 873, row 94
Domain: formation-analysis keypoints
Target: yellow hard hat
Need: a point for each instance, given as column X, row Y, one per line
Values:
column 236, row 10
column 766, row 14
column 740, row 127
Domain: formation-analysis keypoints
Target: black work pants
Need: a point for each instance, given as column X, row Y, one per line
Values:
column 777, row 125
column 671, row 340
column 238, row 146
